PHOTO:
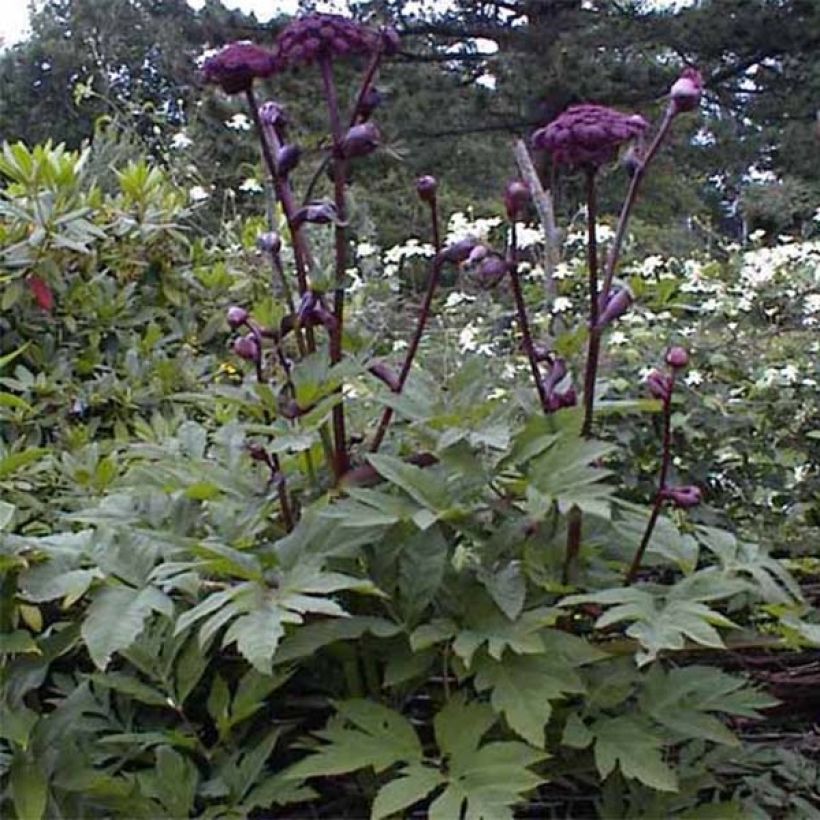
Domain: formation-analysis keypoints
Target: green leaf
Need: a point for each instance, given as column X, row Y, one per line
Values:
column 29, row 788
column 15, row 461
column 484, row 781
column 576, row 735
column 19, row 641
column 6, row 515
column 423, row 486
column 363, row 733
column 130, row 686
column 172, row 782
column 487, row 625
column 523, row 687
column 414, row 784
column 507, row 587
column 116, row 618
column 422, row 561
column 257, row 635
column 51, row 580
column 309, row 638
column 633, row 746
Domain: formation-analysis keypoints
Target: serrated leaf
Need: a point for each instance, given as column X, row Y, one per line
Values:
column 523, row 687
column 257, row 635
column 414, row 784
column 422, row 561
column 116, row 618
column 423, row 486
column 507, row 587
column 363, row 734
column 633, row 746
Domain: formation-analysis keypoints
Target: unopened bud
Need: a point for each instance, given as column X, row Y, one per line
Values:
column 686, row 90
column 677, row 357
column 491, row 270
column 660, row 385
column 257, row 452
column 246, row 347
column 318, row 213
column 687, row 496
column 459, row 251
column 516, row 198
column 390, row 40
column 287, row 158
column 371, row 100
column 361, row 140
column 632, row 160
column 269, row 242
column 236, row 316
column 617, row 305
column 426, row 187
column 273, row 114
column 558, row 369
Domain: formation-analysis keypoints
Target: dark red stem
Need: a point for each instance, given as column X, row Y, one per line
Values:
column 594, row 344
column 424, row 313
column 523, row 321
column 660, row 495
column 336, row 335
column 631, row 196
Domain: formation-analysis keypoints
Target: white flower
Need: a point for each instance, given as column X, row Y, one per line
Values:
column 251, row 186
column 198, row 194
column 618, row 338
column 710, row 305
column 181, row 140
column 526, row 237
column 467, row 338
column 694, row 378
column 790, row 373
column 366, row 249
column 239, row 122
column 562, row 271
column 801, row 472
column 561, row 304
column 812, row 303
column 457, row 298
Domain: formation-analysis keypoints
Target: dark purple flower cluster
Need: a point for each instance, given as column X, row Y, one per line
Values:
column 237, row 66
column 588, row 134
column 310, row 38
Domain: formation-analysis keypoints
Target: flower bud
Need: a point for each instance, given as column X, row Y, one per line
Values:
column 660, row 385
column 686, row 90
column 390, row 40
column 616, row 306
column 361, row 140
column 318, row 213
column 632, row 160
column 371, row 100
column 287, row 158
column 269, row 242
column 273, row 114
column 516, row 198
column 687, row 496
column 677, row 357
column 236, row 316
column 491, row 270
column 247, row 348
column 426, row 187
column 257, row 452
column 305, row 310
column 383, row 371
column 569, row 398
column 459, row 251
column 558, row 370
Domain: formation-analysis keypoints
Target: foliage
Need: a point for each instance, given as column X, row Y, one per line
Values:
column 411, row 633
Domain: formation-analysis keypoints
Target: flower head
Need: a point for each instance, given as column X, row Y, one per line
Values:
column 361, row 140
column 236, row 316
column 686, row 90
column 318, row 36
column 516, row 197
column 588, row 134
column 426, row 187
column 237, row 66
column 687, row 496
column 246, row 347
column 677, row 357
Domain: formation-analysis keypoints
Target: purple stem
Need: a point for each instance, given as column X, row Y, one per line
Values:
column 370, row 74
column 523, row 322
column 631, row 196
column 594, row 348
column 660, row 494
column 336, row 335
column 424, row 313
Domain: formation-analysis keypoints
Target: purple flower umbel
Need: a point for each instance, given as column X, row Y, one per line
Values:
column 237, row 66
column 588, row 134
column 310, row 38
